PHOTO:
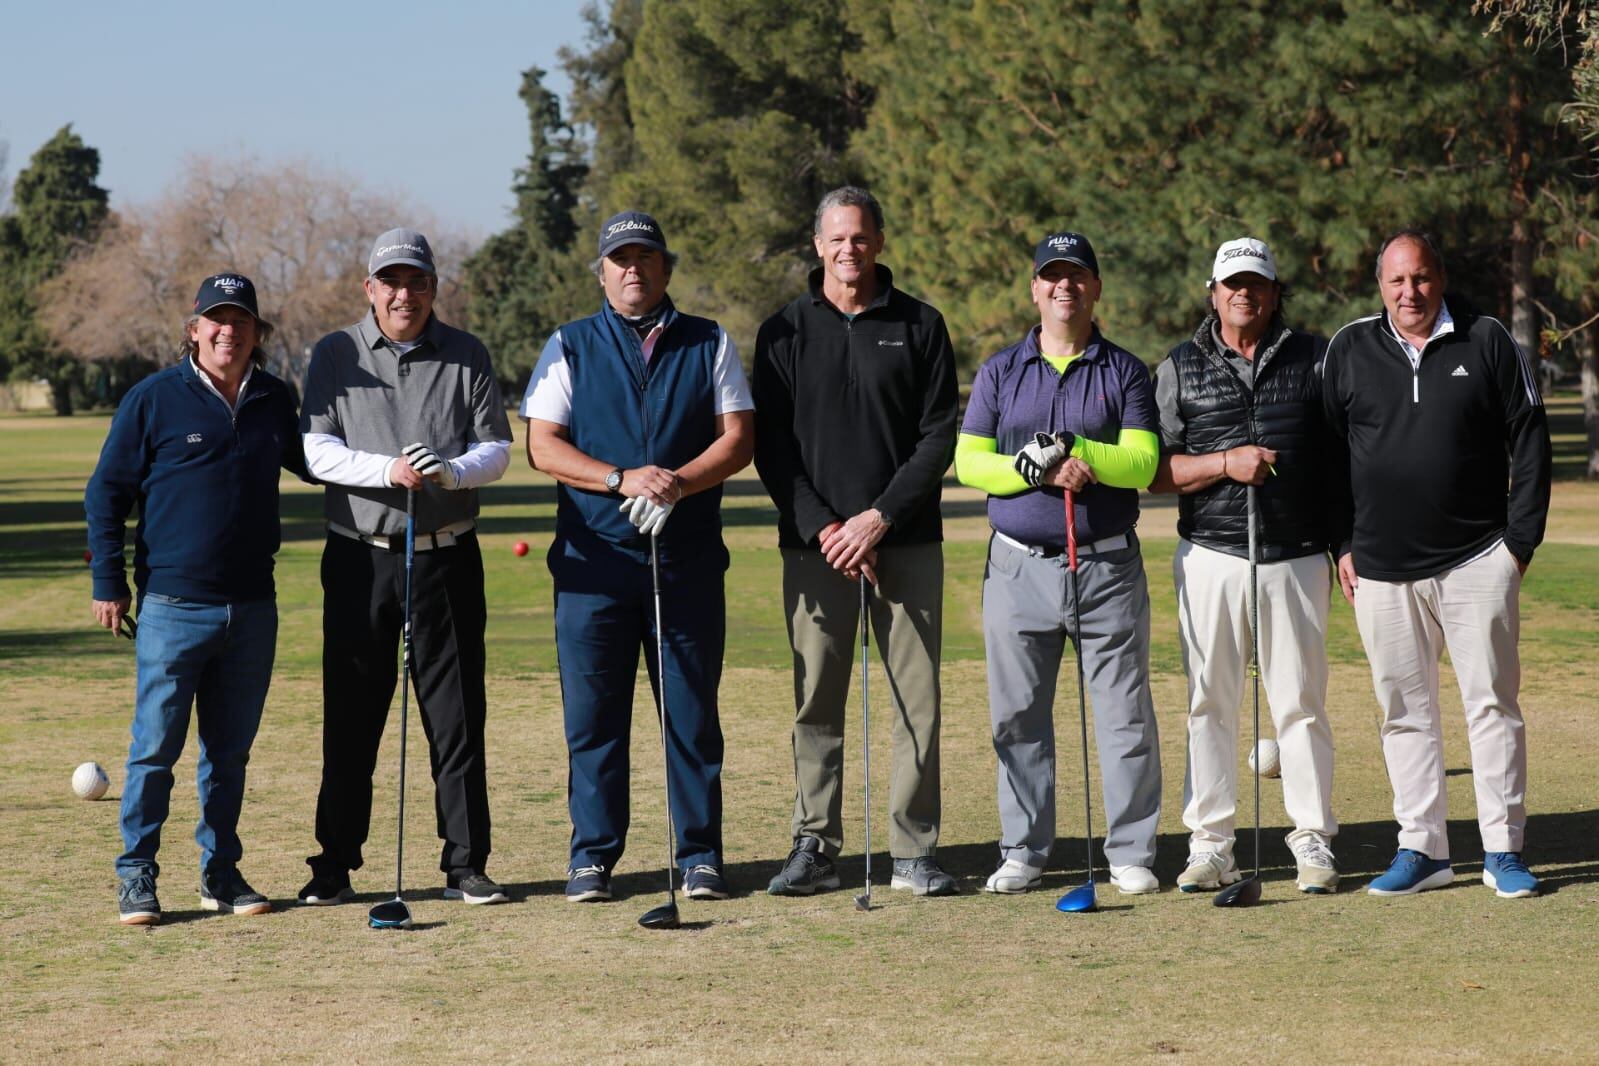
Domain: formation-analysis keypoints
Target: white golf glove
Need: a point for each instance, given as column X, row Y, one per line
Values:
column 1041, row 453
column 426, row 461
column 646, row 515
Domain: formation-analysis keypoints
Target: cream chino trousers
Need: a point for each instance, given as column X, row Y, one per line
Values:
column 1213, row 621
column 1474, row 612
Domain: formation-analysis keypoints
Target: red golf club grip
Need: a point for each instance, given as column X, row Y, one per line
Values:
column 1071, row 531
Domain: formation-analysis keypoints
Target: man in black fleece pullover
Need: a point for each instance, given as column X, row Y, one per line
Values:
column 855, row 405
column 1444, row 491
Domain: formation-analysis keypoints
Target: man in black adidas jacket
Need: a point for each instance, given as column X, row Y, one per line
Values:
column 1439, row 419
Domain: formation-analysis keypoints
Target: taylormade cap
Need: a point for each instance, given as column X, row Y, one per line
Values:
column 404, row 247
column 226, row 290
column 1244, row 256
column 1065, row 247
column 631, row 227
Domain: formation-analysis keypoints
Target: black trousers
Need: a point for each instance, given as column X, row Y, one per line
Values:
column 363, row 610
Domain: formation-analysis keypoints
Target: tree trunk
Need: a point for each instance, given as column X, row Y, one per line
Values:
column 61, row 394
column 1523, row 312
column 1588, row 360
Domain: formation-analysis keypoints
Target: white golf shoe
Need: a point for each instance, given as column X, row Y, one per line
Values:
column 1013, row 877
column 1207, row 871
column 1134, row 880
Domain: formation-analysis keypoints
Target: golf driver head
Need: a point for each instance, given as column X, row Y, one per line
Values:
column 1241, row 894
column 663, row 917
column 1079, row 900
column 863, row 902
column 390, row 914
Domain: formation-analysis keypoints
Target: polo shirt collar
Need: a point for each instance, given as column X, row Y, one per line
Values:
column 373, row 337
column 1032, row 349
column 885, row 284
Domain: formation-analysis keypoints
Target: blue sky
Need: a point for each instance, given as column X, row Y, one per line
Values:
column 415, row 99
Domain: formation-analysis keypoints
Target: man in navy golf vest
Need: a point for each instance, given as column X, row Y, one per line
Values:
column 640, row 413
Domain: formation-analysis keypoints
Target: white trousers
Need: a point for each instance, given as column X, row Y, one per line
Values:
column 1213, row 621
column 1474, row 611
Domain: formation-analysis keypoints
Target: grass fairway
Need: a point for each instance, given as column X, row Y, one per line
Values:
column 1455, row 974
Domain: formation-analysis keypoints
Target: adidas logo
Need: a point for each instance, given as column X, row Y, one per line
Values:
column 1459, row 372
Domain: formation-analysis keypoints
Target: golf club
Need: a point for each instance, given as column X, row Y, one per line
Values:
column 1247, row 891
column 393, row 913
column 863, row 902
column 665, row 916
column 1083, row 897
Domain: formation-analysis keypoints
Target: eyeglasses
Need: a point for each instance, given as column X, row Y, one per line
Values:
column 391, row 284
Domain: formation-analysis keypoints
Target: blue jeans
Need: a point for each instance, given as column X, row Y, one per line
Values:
column 216, row 656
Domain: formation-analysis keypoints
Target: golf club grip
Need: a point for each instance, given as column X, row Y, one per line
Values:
column 1071, row 530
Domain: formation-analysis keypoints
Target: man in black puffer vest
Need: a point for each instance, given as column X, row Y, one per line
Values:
column 1240, row 406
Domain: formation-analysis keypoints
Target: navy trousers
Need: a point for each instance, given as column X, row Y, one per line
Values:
column 604, row 623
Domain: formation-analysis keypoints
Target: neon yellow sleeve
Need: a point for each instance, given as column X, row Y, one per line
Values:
column 979, row 465
column 1128, row 464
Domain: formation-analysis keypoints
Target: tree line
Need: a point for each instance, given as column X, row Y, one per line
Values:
column 1157, row 127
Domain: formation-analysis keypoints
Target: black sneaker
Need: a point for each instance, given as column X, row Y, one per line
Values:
column 705, row 882
column 588, row 884
column 806, row 871
column 136, row 900
column 324, row 890
column 924, row 877
column 229, row 894
column 474, row 888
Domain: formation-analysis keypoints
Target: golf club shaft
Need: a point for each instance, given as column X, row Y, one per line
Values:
column 405, row 683
column 866, row 725
column 1254, row 656
column 660, row 684
column 1082, row 696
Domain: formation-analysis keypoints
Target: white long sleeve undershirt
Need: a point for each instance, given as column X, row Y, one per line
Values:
column 332, row 461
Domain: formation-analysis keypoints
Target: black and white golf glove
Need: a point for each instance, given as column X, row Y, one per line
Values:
column 1043, row 452
column 426, row 461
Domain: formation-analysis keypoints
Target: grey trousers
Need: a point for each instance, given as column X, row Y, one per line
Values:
column 906, row 609
column 1027, row 619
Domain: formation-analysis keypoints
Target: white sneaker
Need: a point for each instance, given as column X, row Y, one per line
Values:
column 1134, row 880
column 1207, row 871
column 1316, row 871
column 1014, row 876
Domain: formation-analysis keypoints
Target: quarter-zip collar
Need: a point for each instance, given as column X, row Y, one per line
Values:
column 885, row 285
column 200, row 376
column 1442, row 326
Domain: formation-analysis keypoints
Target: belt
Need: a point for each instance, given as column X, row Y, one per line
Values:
column 1052, row 551
column 444, row 537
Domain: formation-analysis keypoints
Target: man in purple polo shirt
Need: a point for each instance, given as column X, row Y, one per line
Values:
column 1093, row 403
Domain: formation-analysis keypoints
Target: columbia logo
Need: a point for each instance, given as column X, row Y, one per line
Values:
column 1460, row 372
column 194, row 438
column 891, row 344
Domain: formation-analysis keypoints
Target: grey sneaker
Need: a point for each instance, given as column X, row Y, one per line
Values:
column 474, row 889
column 1317, row 872
column 230, row 894
column 806, row 871
column 136, row 901
column 924, row 877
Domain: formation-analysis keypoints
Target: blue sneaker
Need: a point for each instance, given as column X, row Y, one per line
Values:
column 588, row 884
column 705, row 882
column 1507, row 875
column 1412, row 872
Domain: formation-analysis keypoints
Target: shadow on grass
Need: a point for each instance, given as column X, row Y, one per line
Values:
column 86, row 641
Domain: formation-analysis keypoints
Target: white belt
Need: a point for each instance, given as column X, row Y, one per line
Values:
column 1105, row 544
column 444, row 537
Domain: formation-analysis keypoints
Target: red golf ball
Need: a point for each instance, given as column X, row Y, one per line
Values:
column 88, row 556
column 520, row 547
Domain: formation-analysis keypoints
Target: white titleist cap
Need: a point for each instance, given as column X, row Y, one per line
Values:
column 1244, row 256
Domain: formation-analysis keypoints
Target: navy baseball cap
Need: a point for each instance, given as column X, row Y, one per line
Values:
column 406, row 247
column 1065, row 247
column 631, row 227
column 226, row 290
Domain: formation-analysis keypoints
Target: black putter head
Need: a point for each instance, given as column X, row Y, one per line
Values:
column 663, row 917
column 1242, row 894
column 863, row 902
column 1079, row 900
column 390, row 914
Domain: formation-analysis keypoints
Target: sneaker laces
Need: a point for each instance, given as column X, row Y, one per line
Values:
column 1510, row 862
column 1315, row 853
column 703, row 868
column 1214, row 858
column 138, row 885
column 581, row 871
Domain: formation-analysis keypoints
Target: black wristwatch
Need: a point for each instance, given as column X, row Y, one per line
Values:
column 613, row 482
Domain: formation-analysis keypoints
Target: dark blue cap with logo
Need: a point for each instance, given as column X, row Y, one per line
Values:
column 226, row 290
column 1065, row 247
column 631, row 227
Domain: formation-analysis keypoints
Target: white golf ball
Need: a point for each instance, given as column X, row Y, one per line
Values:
column 89, row 781
column 1271, row 764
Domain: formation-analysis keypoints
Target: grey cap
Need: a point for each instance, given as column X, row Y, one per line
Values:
column 403, row 246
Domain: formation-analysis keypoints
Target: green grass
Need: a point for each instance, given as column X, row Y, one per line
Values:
column 1454, row 974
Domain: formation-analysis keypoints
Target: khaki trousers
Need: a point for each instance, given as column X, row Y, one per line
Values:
column 1213, row 621
column 1474, row 611
column 906, row 608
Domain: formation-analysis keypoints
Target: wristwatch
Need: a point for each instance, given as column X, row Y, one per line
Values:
column 613, row 482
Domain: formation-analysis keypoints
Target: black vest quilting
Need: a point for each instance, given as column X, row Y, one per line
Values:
column 1282, row 413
